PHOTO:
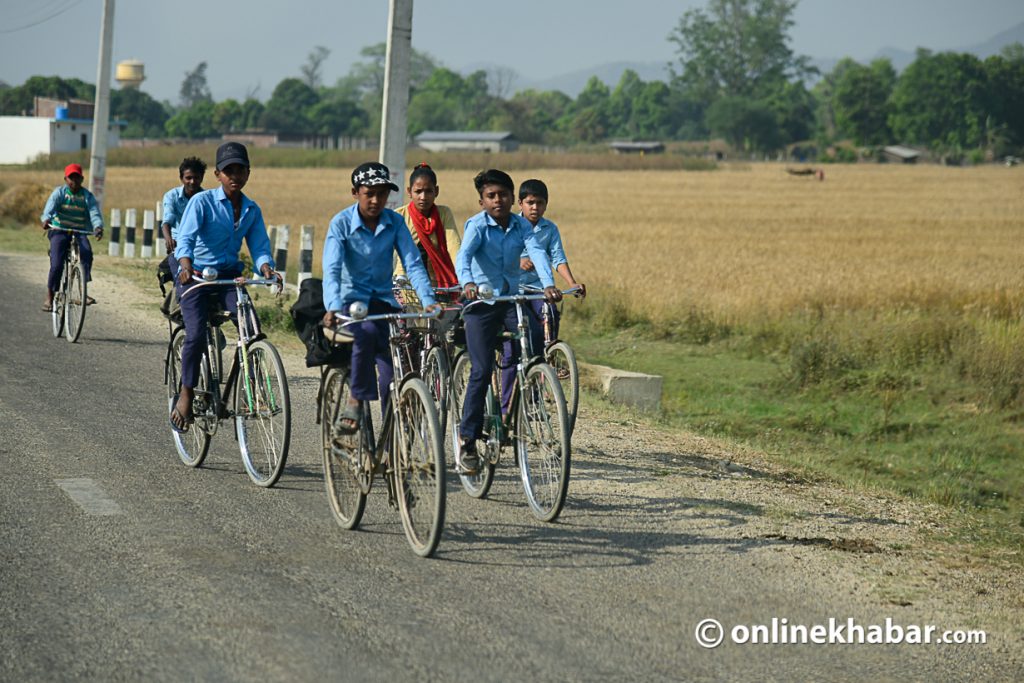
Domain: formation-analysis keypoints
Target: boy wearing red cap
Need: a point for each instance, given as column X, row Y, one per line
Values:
column 70, row 207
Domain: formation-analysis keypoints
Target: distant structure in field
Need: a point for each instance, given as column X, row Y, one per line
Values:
column 467, row 141
column 130, row 74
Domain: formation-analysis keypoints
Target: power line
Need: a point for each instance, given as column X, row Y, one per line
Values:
column 55, row 14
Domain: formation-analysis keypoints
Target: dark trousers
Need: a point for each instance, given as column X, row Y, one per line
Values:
column 60, row 242
column 535, row 316
column 372, row 346
column 484, row 323
column 195, row 312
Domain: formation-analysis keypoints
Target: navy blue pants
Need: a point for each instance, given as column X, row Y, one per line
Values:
column 372, row 346
column 195, row 312
column 60, row 242
column 484, row 322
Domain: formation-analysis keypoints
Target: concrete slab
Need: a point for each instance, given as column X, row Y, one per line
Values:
column 630, row 388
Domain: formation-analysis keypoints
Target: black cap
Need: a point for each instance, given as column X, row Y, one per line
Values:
column 232, row 153
column 372, row 173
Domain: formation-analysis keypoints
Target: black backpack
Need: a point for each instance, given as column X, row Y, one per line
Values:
column 307, row 315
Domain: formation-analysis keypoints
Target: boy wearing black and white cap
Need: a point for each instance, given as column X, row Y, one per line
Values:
column 358, row 265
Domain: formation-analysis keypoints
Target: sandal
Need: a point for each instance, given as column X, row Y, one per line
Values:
column 181, row 418
column 47, row 308
column 348, row 421
column 89, row 301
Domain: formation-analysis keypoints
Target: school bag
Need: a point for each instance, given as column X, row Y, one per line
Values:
column 307, row 315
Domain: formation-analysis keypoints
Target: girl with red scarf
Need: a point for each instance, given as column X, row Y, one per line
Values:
column 433, row 227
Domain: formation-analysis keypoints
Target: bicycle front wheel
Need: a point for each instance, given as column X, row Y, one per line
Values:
column 75, row 304
column 263, row 421
column 346, row 456
column 418, row 467
column 542, row 442
column 193, row 445
column 479, row 484
column 562, row 360
column 436, row 375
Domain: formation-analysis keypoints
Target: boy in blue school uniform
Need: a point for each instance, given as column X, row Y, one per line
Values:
column 533, row 202
column 191, row 172
column 210, row 235
column 73, row 207
column 358, row 266
column 492, row 243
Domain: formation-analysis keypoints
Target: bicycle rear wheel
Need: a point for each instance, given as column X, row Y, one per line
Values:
column 479, row 484
column 562, row 360
column 263, row 421
column 75, row 303
column 418, row 467
column 193, row 445
column 346, row 458
column 57, row 309
column 542, row 442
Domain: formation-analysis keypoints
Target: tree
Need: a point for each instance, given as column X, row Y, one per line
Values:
column 860, row 100
column 228, row 117
column 533, row 116
column 194, row 88
column 19, row 100
column 942, row 101
column 446, row 100
column 737, row 48
column 288, row 107
column 312, row 70
column 336, row 117
column 1005, row 73
column 252, row 113
column 744, row 123
column 145, row 116
column 194, row 123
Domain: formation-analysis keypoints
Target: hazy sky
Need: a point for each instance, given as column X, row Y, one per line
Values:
column 256, row 44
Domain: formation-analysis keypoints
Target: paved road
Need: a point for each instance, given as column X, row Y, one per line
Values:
column 119, row 563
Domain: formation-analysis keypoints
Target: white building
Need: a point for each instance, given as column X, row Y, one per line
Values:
column 23, row 138
column 467, row 141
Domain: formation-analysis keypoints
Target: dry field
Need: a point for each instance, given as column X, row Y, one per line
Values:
column 742, row 241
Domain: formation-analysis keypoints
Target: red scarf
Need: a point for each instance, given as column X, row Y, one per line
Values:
column 440, row 261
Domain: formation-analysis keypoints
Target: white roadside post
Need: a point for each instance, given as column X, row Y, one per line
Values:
column 161, row 246
column 129, row 241
column 281, row 253
column 147, row 233
column 306, row 255
column 114, row 243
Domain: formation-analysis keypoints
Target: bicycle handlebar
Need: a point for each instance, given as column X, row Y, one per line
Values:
column 350, row 319
column 224, row 283
column 72, row 230
column 574, row 291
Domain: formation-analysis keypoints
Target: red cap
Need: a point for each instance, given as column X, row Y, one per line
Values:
column 73, row 168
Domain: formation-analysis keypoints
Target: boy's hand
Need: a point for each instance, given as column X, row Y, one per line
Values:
column 185, row 271
column 552, row 294
column 329, row 319
column 469, row 291
column 98, row 234
column 46, row 225
column 269, row 273
column 171, row 245
column 432, row 308
column 525, row 264
column 583, row 290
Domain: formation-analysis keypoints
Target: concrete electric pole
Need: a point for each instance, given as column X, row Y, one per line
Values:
column 101, row 111
column 394, row 118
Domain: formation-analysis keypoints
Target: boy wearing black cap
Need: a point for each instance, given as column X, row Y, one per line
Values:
column 71, row 207
column 358, row 266
column 210, row 235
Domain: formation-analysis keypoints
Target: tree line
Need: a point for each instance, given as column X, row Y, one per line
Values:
column 735, row 77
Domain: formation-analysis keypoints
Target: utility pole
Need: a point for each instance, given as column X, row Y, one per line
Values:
column 101, row 110
column 394, row 118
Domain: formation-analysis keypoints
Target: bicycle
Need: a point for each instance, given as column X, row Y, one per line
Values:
column 67, row 312
column 536, row 424
column 409, row 453
column 560, row 356
column 259, row 405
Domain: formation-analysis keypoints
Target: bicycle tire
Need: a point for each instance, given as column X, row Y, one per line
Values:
column 263, row 421
column 479, row 484
column 562, row 359
column 74, row 302
column 57, row 307
column 542, row 442
column 193, row 445
column 437, row 376
column 418, row 467
column 345, row 459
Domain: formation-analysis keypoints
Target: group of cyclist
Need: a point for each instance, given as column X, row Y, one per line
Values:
column 496, row 247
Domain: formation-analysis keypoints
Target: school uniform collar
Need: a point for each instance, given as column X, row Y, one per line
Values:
column 383, row 221
column 491, row 223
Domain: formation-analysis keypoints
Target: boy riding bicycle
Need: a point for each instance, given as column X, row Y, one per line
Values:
column 358, row 264
column 210, row 235
column 70, row 207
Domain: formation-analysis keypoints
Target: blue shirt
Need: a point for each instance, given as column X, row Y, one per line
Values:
column 550, row 240
column 491, row 255
column 359, row 262
column 175, row 202
column 62, row 201
column 207, row 233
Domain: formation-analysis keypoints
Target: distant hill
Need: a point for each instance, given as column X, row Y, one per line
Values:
column 996, row 43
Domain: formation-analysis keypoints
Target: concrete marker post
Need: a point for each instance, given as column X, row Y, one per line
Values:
column 281, row 253
column 129, row 237
column 306, row 255
column 147, row 233
column 161, row 246
column 114, row 244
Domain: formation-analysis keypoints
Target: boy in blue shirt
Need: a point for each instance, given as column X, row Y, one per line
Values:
column 533, row 202
column 492, row 243
column 210, row 235
column 191, row 173
column 72, row 207
column 358, row 265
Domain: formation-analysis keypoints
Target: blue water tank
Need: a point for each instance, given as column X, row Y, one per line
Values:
column 61, row 114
